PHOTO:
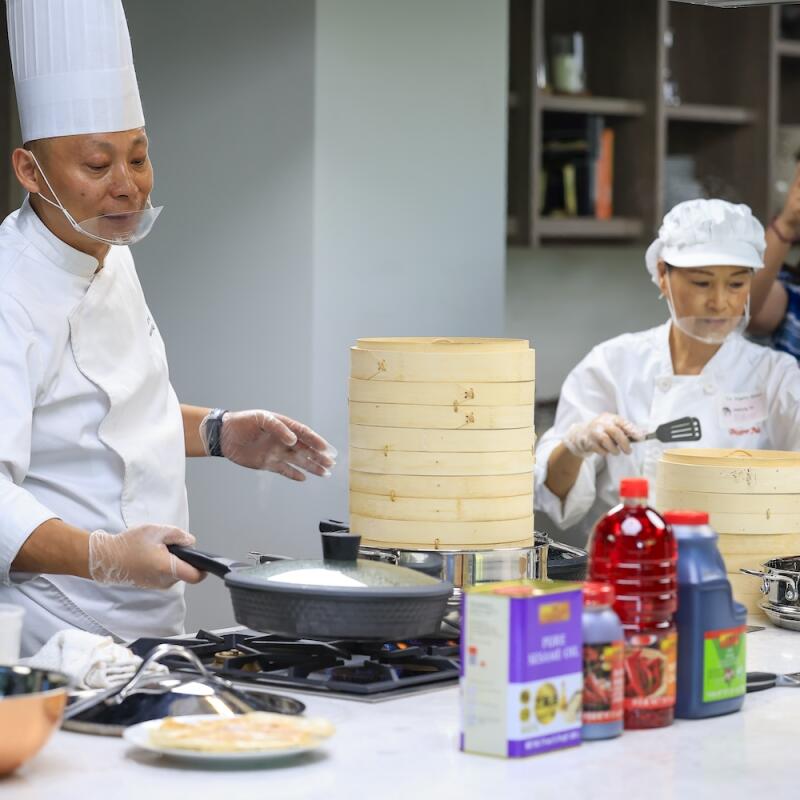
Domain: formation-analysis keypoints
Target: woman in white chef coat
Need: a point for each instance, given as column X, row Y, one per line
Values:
column 94, row 441
column 696, row 364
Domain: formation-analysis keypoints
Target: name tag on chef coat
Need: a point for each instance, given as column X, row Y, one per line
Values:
column 742, row 414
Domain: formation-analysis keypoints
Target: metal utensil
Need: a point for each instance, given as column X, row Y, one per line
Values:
column 685, row 429
column 338, row 597
column 178, row 693
column 758, row 681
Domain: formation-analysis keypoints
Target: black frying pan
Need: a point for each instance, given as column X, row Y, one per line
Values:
column 338, row 597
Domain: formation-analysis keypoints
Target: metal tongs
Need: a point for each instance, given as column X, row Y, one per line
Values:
column 758, row 681
column 116, row 695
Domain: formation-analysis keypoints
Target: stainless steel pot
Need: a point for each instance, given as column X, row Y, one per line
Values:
column 780, row 581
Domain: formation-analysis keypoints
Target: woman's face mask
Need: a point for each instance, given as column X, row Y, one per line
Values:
column 123, row 228
column 708, row 303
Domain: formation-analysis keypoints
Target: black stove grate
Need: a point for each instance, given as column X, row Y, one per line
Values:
column 347, row 667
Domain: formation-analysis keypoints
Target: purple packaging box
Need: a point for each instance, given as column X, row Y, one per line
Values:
column 521, row 667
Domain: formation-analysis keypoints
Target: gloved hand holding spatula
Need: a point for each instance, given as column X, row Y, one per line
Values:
column 611, row 434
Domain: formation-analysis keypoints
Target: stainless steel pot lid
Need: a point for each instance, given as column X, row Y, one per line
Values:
column 339, row 573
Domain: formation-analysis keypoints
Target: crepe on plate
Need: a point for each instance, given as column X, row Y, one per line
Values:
column 253, row 732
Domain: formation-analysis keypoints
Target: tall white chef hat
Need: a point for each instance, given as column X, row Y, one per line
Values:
column 705, row 233
column 73, row 67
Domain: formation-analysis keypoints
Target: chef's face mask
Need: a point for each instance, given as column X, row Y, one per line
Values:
column 709, row 309
column 126, row 228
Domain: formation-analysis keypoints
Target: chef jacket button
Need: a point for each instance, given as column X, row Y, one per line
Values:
column 709, row 388
column 664, row 384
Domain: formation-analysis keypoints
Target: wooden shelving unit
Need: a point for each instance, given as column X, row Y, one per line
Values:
column 581, row 228
column 725, row 123
column 607, row 106
column 711, row 115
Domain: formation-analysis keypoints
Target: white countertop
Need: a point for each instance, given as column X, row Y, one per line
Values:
column 407, row 748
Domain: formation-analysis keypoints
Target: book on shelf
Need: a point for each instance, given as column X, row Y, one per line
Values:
column 577, row 166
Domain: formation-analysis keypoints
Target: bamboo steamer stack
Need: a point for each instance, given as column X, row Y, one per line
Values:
column 441, row 443
column 753, row 501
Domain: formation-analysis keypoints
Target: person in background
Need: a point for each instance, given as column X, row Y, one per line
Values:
column 696, row 364
column 94, row 440
column 775, row 302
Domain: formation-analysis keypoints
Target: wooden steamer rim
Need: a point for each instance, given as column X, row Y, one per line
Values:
column 424, row 510
column 729, row 471
column 397, row 415
column 710, row 457
column 767, row 505
column 441, row 486
column 369, row 437
column 442, row 344
column 408, row 534
column 401, row 463
column 508, row 366
column 464, row 393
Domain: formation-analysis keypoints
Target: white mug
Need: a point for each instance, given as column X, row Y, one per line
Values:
column 10, row 632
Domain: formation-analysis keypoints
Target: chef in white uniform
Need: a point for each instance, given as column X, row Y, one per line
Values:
column 94, row 440
column 696, row 364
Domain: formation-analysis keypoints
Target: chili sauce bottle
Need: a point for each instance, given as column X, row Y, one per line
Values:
column 632, row 548
column 603, row 664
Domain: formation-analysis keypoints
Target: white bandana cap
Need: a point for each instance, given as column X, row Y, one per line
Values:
column 707, row 233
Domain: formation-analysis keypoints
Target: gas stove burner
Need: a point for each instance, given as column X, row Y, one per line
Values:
column 343, row 667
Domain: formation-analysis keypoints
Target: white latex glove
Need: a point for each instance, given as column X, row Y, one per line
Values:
column 608, row 434
column 263, row 440
column 139, row 557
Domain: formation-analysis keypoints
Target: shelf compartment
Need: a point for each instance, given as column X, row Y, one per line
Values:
column 710, row 114
column 788, row 48
column 587, row 104
column 589, row 228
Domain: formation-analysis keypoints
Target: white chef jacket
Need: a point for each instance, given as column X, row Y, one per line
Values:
column 747, row 396
column 90, row 427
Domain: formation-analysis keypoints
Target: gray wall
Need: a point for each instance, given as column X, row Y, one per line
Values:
column 328, row 171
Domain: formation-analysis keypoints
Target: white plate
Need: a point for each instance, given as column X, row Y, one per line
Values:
column 139, row 735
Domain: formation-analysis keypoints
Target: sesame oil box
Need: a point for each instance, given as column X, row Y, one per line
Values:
column 521, row 667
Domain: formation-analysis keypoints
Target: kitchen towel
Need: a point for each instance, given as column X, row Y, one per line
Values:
column 93, row 662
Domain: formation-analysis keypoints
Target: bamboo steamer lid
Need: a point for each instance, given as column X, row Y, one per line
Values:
column 403, row 533
column 520, row 393
column 442, row 486
column 715, row 502
column 755, row 524
column 401, row 463
column 448, row 364
column 730, row 471
column 432, row 440
column 424, row 509
column 442, row 344
column 396, row 415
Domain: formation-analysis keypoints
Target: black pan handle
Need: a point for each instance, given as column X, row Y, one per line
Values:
column 207, row 562
column 333, row 526
column 758, row 681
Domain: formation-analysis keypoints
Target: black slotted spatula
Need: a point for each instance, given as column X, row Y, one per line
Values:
column 685, row 429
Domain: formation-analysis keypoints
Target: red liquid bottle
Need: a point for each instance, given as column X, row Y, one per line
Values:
column 632, row 548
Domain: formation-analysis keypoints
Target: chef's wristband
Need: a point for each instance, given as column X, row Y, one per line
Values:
column 214, row 431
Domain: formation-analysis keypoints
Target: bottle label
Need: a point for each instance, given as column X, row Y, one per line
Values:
column 724, row 670
column 603, row 682
column 650, row 670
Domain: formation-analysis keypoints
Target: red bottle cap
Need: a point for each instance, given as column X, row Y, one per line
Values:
column 685, row 516
column 633, row 487
column 596, row 593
